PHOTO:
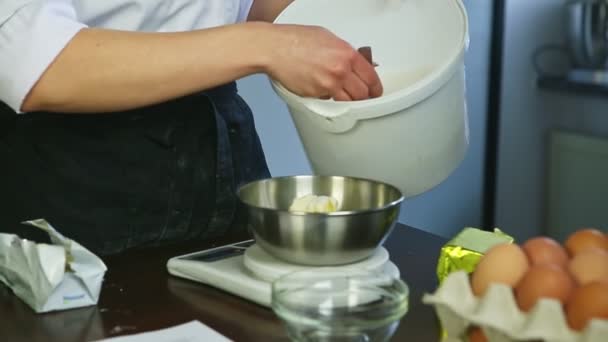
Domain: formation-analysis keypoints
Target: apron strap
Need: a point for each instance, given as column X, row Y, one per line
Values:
column 7, row 119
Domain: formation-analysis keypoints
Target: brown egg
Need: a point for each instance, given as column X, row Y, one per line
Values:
column 587, row 302
column 544, row 250
column 543, row 281
column 589, row 266
column 504, row 263
column 584, row 239
column 476, row 335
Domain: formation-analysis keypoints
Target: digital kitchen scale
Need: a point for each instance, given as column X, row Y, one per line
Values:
column 247, row 271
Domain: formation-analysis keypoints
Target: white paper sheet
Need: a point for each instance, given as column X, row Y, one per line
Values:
column 193, row 331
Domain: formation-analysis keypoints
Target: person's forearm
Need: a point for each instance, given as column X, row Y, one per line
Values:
column 267, row 10
column 105, row 70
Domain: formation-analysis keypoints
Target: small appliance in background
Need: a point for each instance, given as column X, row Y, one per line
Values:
column 587, row 41
column 585, row 49
column 587, row 33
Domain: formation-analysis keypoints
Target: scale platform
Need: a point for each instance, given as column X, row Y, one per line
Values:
column 245, row 270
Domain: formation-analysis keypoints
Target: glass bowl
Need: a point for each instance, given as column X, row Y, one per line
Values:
column 339, row 304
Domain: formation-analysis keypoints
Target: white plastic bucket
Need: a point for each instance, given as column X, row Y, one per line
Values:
column 416, row 134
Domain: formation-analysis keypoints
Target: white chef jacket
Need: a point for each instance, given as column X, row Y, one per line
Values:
column 33, row 32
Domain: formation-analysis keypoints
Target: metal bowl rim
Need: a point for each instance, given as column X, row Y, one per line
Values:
column 389, row 205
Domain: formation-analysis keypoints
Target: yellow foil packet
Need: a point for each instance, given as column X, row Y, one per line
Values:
column 464, row 251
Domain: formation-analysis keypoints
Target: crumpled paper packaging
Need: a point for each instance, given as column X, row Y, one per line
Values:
column 59, row 276
column 499, row 317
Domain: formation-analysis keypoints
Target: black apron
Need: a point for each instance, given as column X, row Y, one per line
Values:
column 160, row 174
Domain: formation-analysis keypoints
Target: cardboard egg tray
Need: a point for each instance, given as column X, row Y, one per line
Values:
column 500, row 318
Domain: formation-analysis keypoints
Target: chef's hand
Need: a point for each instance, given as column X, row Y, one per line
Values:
column 311, row 61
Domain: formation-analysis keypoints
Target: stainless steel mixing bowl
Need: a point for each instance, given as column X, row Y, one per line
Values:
column 368, row 211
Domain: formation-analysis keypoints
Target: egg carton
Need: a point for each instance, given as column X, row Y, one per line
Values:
column 498, row 315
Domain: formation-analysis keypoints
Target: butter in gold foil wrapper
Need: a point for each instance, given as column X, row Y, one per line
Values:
column 464, row 251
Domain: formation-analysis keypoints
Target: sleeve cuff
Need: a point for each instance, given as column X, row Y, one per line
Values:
column 30, row 41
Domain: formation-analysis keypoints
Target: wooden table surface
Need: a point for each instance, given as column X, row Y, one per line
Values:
column 139, row 295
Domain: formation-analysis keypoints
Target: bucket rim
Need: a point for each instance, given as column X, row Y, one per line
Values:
column 404, row 98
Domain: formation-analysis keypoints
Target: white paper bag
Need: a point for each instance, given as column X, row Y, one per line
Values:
column 63, row 275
